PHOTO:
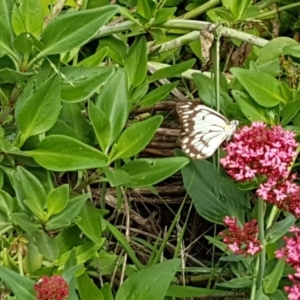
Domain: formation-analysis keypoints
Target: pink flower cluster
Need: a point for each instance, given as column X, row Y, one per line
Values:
column 291, row 253
column 241, row 240
column 265, row 154
column 51, row 288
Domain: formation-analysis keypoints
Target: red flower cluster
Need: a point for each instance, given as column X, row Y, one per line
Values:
column 51, row 288
column 241, row 240
column 291, row 253
column 265, row 154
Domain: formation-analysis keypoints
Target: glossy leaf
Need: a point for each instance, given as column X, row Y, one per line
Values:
column 87, row 288
column 172, row 71
column 116, row 177
column 27, row 16
column 149, row 283
column 33, row 193
column 214, row 195
column 132, row 141
column 94, row 60
column 90, row 223
column 38, row 112
column 158, row 94
column 136, row 62
column 62, row 153
column 57, row 200
column 265, row 91
column 72, row 30
column 72, row 210
column 22, row 290
column 113, row 101
column 145, row 172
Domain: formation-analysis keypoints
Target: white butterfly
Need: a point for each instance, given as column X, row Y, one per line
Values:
column 204, row 129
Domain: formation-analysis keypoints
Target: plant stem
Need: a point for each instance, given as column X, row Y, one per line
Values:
column 261, row 236
column 276, row 11
column 253, row 289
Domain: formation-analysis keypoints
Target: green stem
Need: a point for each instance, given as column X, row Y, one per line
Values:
column 253, row 288
column 103, row 192
column 276, row 11
column 261, row 237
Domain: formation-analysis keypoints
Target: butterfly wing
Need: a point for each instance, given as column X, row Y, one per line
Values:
column 204, row 129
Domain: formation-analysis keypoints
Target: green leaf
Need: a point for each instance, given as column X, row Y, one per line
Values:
column 237, row 283
column 62, row 153
column 214, row 195
column 39, row 112
column 57, row 200
column 47, row 245
column 289, row 111
column 172, row 71
column 94, row 60
column 6, row 203
column 106, row 291
column 113, row 101
column 150, row 282
column 136, row 62
column 6, row 34
column 27, row 44
column 279, row 229
column 265, row 91
column 132, row 141
column 33, row 192
column 116, row 177
column 163, row 14
column 146, row 172
column 74, row 29
column 146, row 8
column 268, row 57
column 85, row 82
column 87, row 288
column 220, row 12
column 158, row 94
column 12, row 76
column 251, row 110
column 27, row 16
column 25, row 222
column 90, row 223
column 72, row 210
column 271, row 281
column 101, row 126
column 22, row 290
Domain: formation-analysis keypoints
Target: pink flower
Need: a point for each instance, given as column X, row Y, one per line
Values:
column 241, row 240
column 51, row 288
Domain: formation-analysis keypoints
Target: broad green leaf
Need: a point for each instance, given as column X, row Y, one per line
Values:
column 27, row 16
column 139, row 92
column 220, row 13
column 289, row 111
column 94, row 60
column 25, row 222
column 146, row 172
column 214, row 195
column 38, row 113
column 33, row 260
column 172, row 71
column 268, row 57
column 163, row 14
column 116, row 177
column 62, row 153
column 136, row 62
column 279, row 229
column 72, row 210
column 236, row 7
column 293, row 50
column 72, row 30
column 6, row 34
column 47, row 245
column 27, row 43
column 236, row 283
column 57, row 200
column 146, row 8
column 71, row 114
column 271, row 281
column 251, row 110
column 113, row 101
column 5, row 223
column 85, row 82
column 158, row 94
column 62, row 128
column 132, row 141
column 101, row 126
column 6, row 203
column 87, row 288
column 22, row 290
column 90, row 222
column 106, row 291
column 33, row 192
column 149, row 283
column 262, row 87
column 12, row 76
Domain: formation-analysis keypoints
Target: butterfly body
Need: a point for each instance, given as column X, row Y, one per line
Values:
column 204, row 129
